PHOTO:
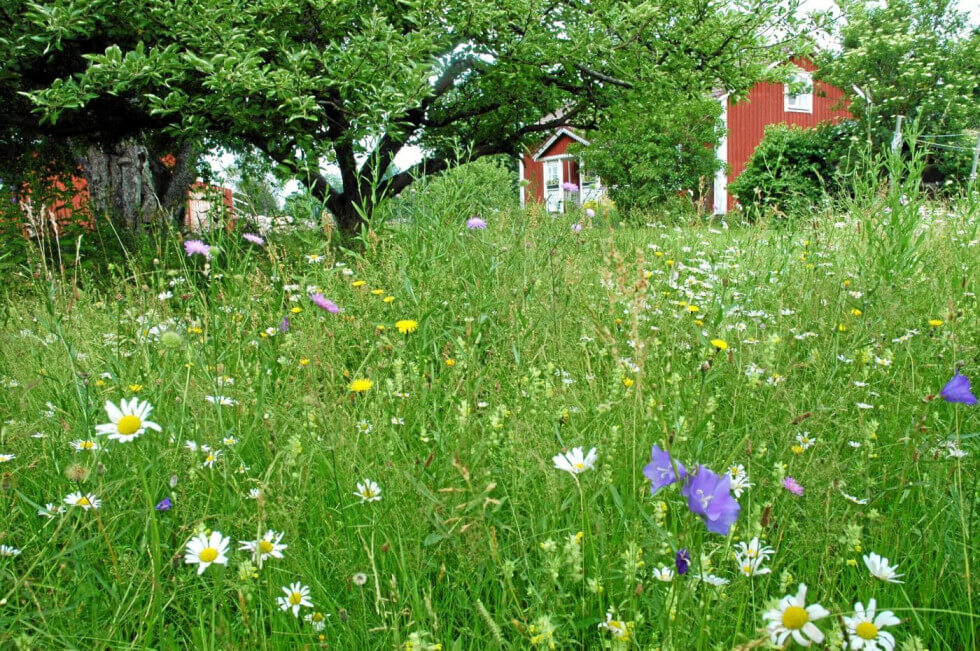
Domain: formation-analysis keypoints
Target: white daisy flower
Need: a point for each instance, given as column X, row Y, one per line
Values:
column 204, row 550
column 317, row 620
column 711, row 579
column 254, row 493
column 879, row 568
column 223, row 401
column 4, row 458
column 574, row 461
column 8, row 551
column 619, row 629
column 86, row 501
column 128, row 420
column 368, row 491
column 664, row 574
column 265, row 547
column 739, row 480
column 864, row 629
column 50, row 510
column 851, row 498
column 793, row 617
column 211, row 458
column 754, row 549
column 82, row 445
column 751, row 566
column 297, row 596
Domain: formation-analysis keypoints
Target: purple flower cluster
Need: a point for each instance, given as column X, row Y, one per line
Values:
column 708, row 495
column 197, row 247
column 476, row 224
column 325, row 303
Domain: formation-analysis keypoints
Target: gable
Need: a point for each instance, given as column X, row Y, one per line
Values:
column 558, row 144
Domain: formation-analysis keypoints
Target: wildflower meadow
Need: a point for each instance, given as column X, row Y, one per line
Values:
column 510, row 431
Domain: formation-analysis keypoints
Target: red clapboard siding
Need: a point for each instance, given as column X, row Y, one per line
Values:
column 748, row 119
column 534, row 170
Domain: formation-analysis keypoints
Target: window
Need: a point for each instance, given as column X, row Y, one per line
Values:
column 799, row 93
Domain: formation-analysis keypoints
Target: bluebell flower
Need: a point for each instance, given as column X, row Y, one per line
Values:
column 661, row 472
column 710, row 496
column 958, row 390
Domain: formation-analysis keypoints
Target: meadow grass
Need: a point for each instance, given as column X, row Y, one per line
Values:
column 530, row 340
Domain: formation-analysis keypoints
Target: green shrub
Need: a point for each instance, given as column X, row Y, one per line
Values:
column 794, row 168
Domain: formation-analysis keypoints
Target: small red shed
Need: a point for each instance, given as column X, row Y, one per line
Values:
column 555, row 177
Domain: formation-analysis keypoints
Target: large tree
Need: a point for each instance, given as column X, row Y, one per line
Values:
column 350, row 83
column 913, row 58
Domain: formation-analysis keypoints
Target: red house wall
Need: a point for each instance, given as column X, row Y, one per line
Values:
column 748, row 119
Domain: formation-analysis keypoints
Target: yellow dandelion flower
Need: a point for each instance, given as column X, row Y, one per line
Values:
column 841, row 327
column 135, row 388
column 720, row 344
column 388, row 299
column 935, row 323
column 296, row 310
column 360, row 385
column 450, row 362
column 358, row 283
column 856, row 312
column 693, row 308
column 406, row 325
column 304, row 362
column 377, row 292
column 628, row 382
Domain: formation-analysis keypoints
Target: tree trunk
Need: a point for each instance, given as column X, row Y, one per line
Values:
column 132, row 186
column 344, row 212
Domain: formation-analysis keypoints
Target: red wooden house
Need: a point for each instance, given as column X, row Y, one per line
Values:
column 550, row 166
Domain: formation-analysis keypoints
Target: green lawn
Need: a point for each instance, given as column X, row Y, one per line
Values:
column 530, row 340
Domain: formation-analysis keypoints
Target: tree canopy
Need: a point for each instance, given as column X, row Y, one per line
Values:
column 350, row 83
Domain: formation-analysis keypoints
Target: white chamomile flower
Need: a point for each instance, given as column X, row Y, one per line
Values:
column 879, row 568
column 223, row 401
column 664, row 574
column 211, row 458
column 793, row 617
column 711, row 579
column 86, row 501
column 128, row 420
column 297, row 596
column 574, row 461
column 83, row 445
column 204, row 550
column 751, row 566
column 317, row 620
column 50, row 510
column 619, row 629
column 864, row 629
column 739, row 480
column 8, row 551
column 4, row 458
column 368, row 491
column 754, row 549
column 265, row 547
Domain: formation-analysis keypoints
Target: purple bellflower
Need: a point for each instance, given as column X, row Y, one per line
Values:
column 710, row 496
column 164, row 505
column 661, row 472
column 682, row 560
column 958, row 390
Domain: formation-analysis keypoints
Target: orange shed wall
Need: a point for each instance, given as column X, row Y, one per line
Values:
column 748, row 119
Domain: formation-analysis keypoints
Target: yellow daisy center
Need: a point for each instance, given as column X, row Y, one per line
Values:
column 83, row 501
column 208, row 554
column 295, row 598
column 580, row 465
column 129, row 425
column 265, row 547
column 866, row 631
column 795, row 617
column 317, row 617
column 86, row 445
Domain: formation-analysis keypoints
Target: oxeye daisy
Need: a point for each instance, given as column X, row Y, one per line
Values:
column 204, row 550
column 297, row 596
column 317, row 620
column 879, row 568
column 664, row 574
column 793, row 617
column 265, row 547
column 574, row 461
column 864, row 629
column 619, row 629
column 128, row 420
column 84, row 445
column 86, row 501
column 8, row 551
column 368, row 491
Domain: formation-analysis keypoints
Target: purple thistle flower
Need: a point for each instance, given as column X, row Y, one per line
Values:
column 682, row 560
column 660, row 471
column 568, row 186
column 958, row 390
column 253, row 238
column 576, row 227
column 476, row 223
column 284, row 325
column 793, row 486
column 324, row 303
column 164, row 504
column 589, row 213
column 197, row 247
column 709, row 496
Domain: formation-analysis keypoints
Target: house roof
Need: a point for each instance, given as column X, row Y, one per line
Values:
column 554, row 138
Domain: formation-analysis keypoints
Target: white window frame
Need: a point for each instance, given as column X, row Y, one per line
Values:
column 557, row 204
column 802, row 103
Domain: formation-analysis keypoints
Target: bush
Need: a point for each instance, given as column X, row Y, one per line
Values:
column 794, row 168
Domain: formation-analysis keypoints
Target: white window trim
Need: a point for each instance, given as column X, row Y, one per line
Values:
column 520, row 179
column 561, row 180
column 806, row 105
column 721, row 176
